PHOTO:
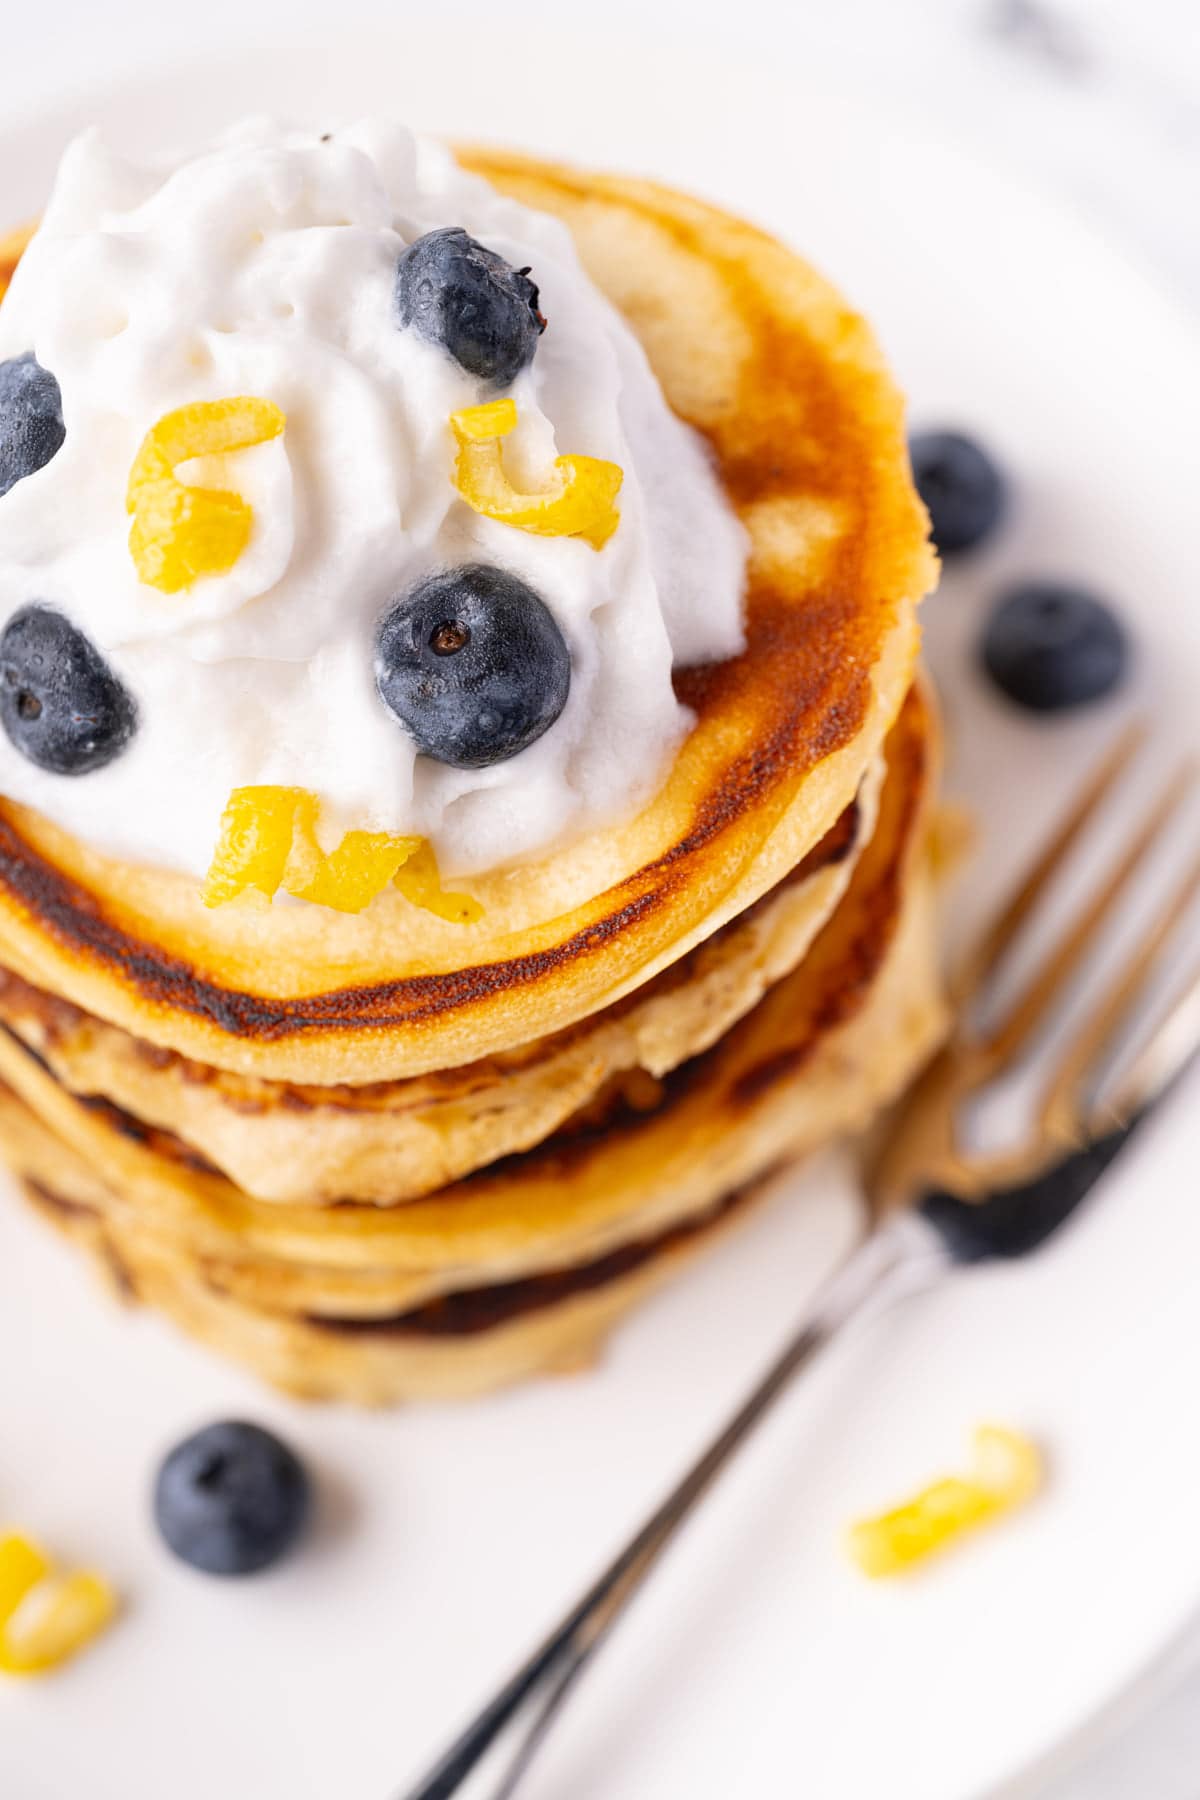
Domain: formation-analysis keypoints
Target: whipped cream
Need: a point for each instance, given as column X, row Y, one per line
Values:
column 266, row 266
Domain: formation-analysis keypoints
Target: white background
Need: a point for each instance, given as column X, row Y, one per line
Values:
column 1100, row 99
column 1099, row 102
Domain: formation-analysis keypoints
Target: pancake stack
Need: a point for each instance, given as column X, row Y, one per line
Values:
column 387, row 1156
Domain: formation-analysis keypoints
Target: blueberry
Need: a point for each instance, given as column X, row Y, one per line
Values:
column 961, row 486
column 1049, row 646
column 473, row 665
column 231, row 1499
column 61, row 705
column 463, row 296
column 31, row 421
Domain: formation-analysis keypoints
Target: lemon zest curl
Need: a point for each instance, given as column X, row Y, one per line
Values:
column 268, row 841
column 580, row 500
column 1006, row 1471
column 76, row 1608
column 180, row 533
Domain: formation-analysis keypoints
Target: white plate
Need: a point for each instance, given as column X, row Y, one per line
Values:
column 760, row 1664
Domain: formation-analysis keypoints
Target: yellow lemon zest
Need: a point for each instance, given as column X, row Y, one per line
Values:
column 1007, row 1471
column 76, row 1608
column 580, row 501
column 181, row 533
column 484, row 424
column 257, row 830
column 349, row 877
column 421, row 884
column 13, row 246
column 268, row 841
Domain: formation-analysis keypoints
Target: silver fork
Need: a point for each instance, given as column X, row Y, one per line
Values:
column 932, row 1205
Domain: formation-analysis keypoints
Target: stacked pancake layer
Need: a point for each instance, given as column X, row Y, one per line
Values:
column 387, row 1157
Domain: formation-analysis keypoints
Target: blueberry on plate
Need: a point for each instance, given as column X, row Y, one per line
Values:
column 460, row 294
column 473, row 666
column 231, row 1499
column 961, row 486
column 1049, row 646
column 61, row 705
column 31, row 420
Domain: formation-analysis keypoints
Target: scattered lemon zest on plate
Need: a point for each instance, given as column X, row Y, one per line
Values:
column 268, row 841
column 579, row 502
column 1006, row 1472
column 70, row 1610
column 181, row 533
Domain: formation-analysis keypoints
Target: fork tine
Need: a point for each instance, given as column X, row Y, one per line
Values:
column 996, row 939
column 1057, row 967
column 1062, row 1110
column 1171, row 1046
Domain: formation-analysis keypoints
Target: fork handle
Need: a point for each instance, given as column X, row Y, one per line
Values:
column 528, row 1703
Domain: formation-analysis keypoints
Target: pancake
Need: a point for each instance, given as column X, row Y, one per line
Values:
column 446, row 1352
column 382, row 1338
column 818, row 1055
column 394, row 1141
column 788, row 387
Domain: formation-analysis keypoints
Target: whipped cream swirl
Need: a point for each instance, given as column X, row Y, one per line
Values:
column 266, row 266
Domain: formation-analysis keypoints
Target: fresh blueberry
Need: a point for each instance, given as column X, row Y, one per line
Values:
column 463, row 296
column 473, row 665
column 231, row 1499
column 31, row 420
column 961, row 486
column 61, row 705
column 1049, row 646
